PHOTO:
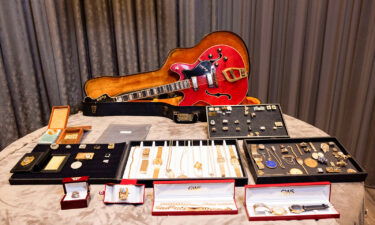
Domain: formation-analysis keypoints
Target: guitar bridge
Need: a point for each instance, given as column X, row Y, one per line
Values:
column 231, row 76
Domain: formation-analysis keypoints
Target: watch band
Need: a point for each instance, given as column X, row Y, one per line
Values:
column 256, row 156
column 144, row 163
column 235, row 162
column 157, row 162
column 220, row 160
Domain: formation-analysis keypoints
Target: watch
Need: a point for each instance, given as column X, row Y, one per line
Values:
column 220, row 160
column 235, row 162
column 144, row 163
column 256, row 156
column 297, row 209
column 157, row 162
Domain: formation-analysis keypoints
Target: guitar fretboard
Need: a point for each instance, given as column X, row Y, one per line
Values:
column 145, row 93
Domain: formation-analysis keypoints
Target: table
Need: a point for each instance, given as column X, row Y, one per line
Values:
column 40, row 204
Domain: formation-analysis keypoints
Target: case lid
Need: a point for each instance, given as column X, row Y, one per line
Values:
column 288, row 192
column 59, row 117
column 198, row 189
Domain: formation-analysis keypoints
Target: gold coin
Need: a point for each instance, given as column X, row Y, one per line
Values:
column 351, row 170
column 295, row 171
column 27, row 160
column 311, row 162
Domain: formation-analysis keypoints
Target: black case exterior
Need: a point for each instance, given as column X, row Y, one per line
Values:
column 179, row 114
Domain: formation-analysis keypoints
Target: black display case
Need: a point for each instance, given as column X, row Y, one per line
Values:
column 105, row 166
column 246, row 121
column 352, row 172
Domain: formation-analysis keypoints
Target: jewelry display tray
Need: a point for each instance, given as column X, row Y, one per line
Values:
column 239, row 181
column 313, row 176
column 98, row 171
column 264, row 118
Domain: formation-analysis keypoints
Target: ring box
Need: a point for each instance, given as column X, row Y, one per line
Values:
column 272, row 201
column 194, row 197
column 133, row 193
column 78, row 185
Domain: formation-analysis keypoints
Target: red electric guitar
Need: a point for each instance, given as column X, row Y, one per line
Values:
column 217, row 76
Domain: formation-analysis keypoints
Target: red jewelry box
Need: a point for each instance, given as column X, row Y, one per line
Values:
column 133, row 192
column 194, row 197
column 289, row 201
column 72, row 186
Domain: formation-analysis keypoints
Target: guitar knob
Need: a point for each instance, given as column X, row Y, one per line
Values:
column 219, row 50
column 210, row 56
column 216, row 64
column 225, row 58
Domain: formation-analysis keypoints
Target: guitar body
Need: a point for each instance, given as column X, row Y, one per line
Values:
column 217, row 68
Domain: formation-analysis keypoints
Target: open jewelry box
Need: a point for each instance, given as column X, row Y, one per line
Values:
column 147, row 161
column 246, row 121
column 289, row 201
column 301, row 160
column 199, row 197
column 57, row 123
column 77, row 193
column 49, row 164
column 127, row 192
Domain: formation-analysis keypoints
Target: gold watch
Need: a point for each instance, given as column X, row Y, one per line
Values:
column 256, row 156
column 157, row 162
column 144, row 164
column 235, row 162
column 221, row 161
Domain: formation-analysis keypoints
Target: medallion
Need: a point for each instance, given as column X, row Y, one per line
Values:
column 76, row 165
column 271, row 164
column 295, row 171
column 27, row 160
column 310, row 162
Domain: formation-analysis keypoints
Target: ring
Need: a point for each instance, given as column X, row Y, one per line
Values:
column 75, row 194
column 261, row 208
column 54, row 146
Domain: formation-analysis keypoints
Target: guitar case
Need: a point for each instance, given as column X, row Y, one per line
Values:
column 157, row 107
column 225, row 46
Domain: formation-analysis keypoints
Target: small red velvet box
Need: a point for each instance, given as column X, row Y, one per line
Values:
column 194, row 197
column 288, row 201
column 77, row 193
column 127, row 192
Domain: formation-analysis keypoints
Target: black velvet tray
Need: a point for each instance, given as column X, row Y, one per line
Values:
column 279, row 175
column 98, row 171
column 266, row 118
column 239, row 181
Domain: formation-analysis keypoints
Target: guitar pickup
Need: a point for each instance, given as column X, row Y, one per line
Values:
column 194, row 81
column 231, row 75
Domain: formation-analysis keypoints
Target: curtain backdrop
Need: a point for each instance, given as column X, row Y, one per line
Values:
column 316, row 58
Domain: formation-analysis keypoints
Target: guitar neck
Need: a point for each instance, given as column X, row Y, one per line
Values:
column 150, row 92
